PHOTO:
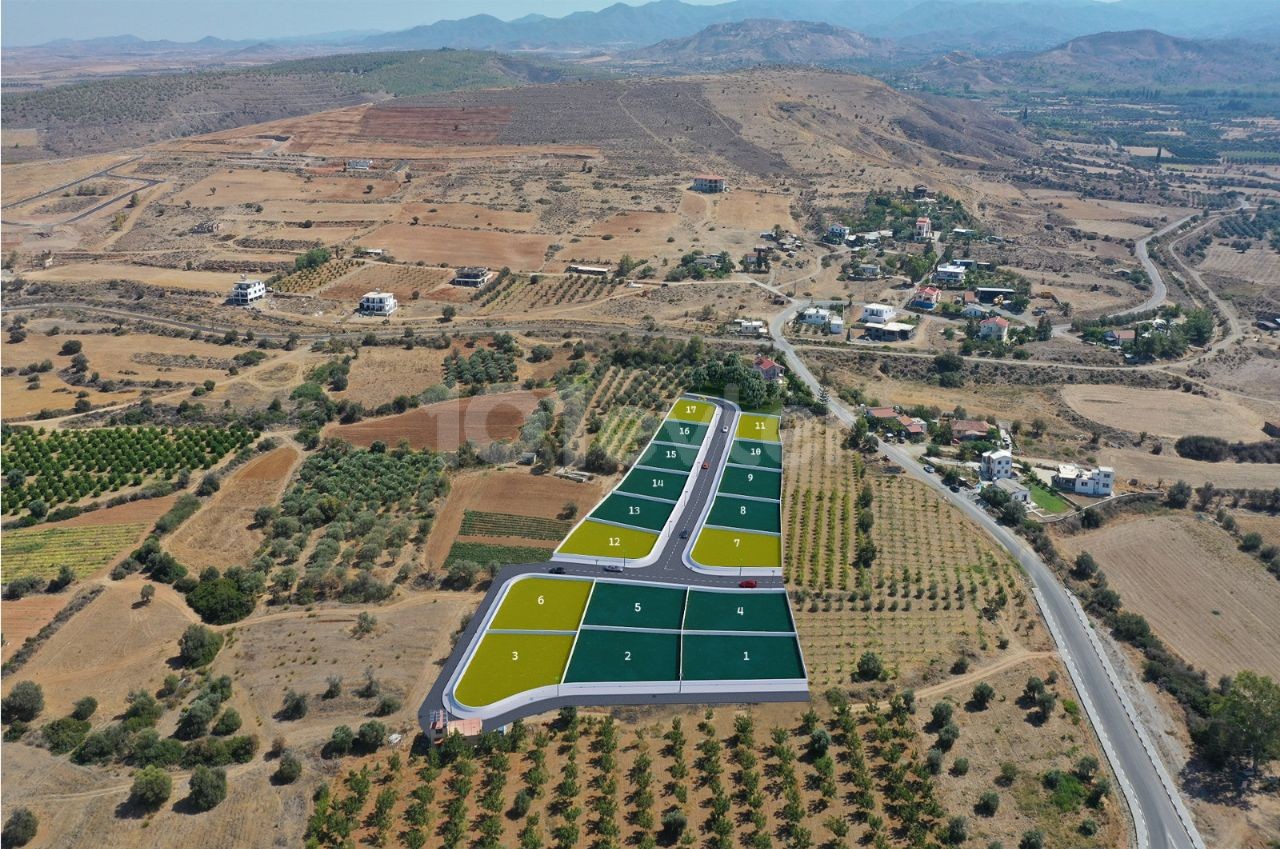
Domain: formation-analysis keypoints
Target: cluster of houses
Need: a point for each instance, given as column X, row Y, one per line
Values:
column 879, row 322
column 245, row 292
column 748, row 327
column 997, row 467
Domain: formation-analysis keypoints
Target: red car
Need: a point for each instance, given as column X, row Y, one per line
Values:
column 748, row 584
column 705, row 464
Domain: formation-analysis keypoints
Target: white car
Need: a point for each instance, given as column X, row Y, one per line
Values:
column 612, row 567
column 724, row 429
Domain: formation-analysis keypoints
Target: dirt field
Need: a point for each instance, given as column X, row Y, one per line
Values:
column 109, row 648
column 443, row 427
column 216, row 282
column 19, row 401
column 507, row 491
column 24, row 617
column 1211, row 603
column 753, row 211
column 1259, row 265
column 221, row 534
column 466, row 216
column 245, row 185
column 380, row 374
column 1169, row 467
column 1164, row 412
column 432, row 245
column 28, row 178
column 400, row 280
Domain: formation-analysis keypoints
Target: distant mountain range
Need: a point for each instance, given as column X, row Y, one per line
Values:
column 936, row 26
column 760, row 42
column 1135, row 59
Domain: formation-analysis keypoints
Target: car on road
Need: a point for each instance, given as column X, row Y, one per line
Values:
column 705, row 464
column 556, row 570
column 612, row 567
column 724, row 429
column 954, row 488
column 748, row 584
column 684, row 534
column 928, row 468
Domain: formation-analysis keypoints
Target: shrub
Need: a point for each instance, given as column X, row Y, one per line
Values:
column 220, row 601
column 870, row 667
column 24, row 702
column 983, row 693
column 340, row 742
column 1033, row 839
column 20, row 829
column 63, row 735
column 371, row 735
column 84, row 708
column 288, row 770
column 199, row 645
column 942, row 713
column 960, row 767
column 228, row 723
column 208, row 788
column 674, row 824
column 988, row 803
column 152, row 787
column 295, row 705
column 1211, row 449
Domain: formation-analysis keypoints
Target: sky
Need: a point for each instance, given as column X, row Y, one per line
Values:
column 25, row 22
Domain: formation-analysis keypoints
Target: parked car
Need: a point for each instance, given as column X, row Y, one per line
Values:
column 954, row 488
column 556, row 570
column 724, row 429
column 748, row 584
column 928, row 468
column 612, row 567
column 684, row 534
column 705, row 464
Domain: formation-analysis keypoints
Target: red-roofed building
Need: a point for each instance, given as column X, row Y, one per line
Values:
column 967, row 429
column 924, row 229
column 912, row 426
column 926, row 297
column 994, row 328
column 882, row 413
column 768, row 369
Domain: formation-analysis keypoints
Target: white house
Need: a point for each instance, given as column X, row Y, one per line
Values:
column 1097, row 481
column 837, row 232
column 973, row 311
column 359, row 164
column 749, row 327
column 246, row 292
column 712, row 183
column 815, row 315
column 924, row 229
column 994, row 328
column 997, row 465
column 1017, row 491
column 835, row 324
column 949, row 275
column 878, row 314
column 378, row 303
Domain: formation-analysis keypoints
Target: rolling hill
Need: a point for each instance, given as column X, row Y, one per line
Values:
column 761, row 42
column 131, row 111
column 1113, row 60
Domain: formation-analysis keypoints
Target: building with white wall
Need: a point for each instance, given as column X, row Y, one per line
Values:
column 878, row 314
column 1096, row 482
column 378, row 303
column 246, row 292
column 996, row 465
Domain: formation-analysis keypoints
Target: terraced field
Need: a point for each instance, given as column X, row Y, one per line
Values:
column 42, row 552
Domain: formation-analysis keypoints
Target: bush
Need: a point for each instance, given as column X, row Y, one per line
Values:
column 288, row 770
column 988, row 803
column 84, row 708
column 208, row 788
column 371, row 735
column 942, row 713
column 199, row 645
column 24, row 702
column 1033, row 839
column 65, row 734
column 673, row 824
column 295, row 705
column 340, row 742
column 20, row 829
column 983, row 693
column 870, row 667
column 152, row 787
column 1211, row 449
column 220, row 601
column 228, row 723
column 1178, row 495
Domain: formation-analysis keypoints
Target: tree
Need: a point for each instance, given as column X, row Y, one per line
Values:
column 151, row 788
column 1086, row 567
column 199, row 645
column 371, row 735
column 289, row 769
column 24, row 702
column 84, row 708
column 208, row 788
column 295, row 705
column 983, row 693
column 1033, row 839
column 957, row 831
column 988, row 803
column 340, row 742
column 674, row 824
column 220, row 601
column 20, row 829
column 1245, row 723
column 1178, row 495
column 147, row 593
column 870, row 666
column 227, row 724
column 448, row 312
column 71, row 347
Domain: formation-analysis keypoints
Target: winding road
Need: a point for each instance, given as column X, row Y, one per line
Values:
column 1161, row 820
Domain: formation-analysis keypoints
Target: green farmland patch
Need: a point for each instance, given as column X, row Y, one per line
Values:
column 676, row 458
column 763, row 428
column 758, row 483
column 709, row 657
column 688, row 410
column 596, row 539
column 653, row 483
column 747, row 610
column 745, row 514
column 42, row 552
column 484, row 553
column 761, row 454
column 717, row 547
column 542, row 604
column 635, row 605
column 477, row 523
column 624, row 656
column 681, row 433
column 637, row 512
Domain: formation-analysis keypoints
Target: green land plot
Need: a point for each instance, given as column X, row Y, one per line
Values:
column 745, row 452
column 746, row 514
column 710, row 657
column 653, row 483
column 596, row 539
column 542, row 604
column 637, row 512
column 763, row 428
column 624, row 656
column 759, row 483
column 744, row 610
column 506, row 664
column 635, row 605
column 1048, row 500
column 681, row 433
column 717, row 547
column 688, row 410
column 676, row 458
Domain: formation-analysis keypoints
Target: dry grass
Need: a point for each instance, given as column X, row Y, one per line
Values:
column 1212, row 604
column 1169, row 467
column 1164, row 412
column 444, row 426
column 432, row 245
column 215, row 282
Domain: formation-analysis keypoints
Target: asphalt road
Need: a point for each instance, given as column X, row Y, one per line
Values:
column 1160, row 818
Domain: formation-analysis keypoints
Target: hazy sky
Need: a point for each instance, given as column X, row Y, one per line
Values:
column 38, row 21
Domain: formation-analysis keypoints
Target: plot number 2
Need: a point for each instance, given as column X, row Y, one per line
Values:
column 626, row 655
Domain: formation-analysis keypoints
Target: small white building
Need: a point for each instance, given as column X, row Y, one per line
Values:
column 837, row 232
column 373, row 252
column 378, row 303
column 748, row 327
column 474, row 276
column 359, row 164
column 1017, row 491
column 949, row 274
column 815, row 315
column 1097, row 482
column 994, row 328
column 973, row 311
column 869, row 271
column 711, row 183
column 997, row 465
column 246, row 292
column 879, row 313
column 924, row 229
column 835, row 324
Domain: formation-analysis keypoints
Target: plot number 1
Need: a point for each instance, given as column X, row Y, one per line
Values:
column 746, row 656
